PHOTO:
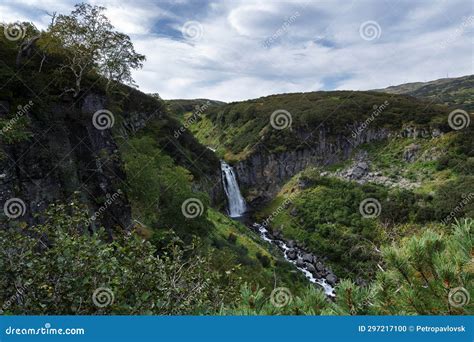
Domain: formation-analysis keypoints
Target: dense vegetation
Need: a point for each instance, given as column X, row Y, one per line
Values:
column 455, row 92
column 237, row 128
column 423, row 275
column 324, row 213
column 418, row 277
column 405, row 261
column 162, row 172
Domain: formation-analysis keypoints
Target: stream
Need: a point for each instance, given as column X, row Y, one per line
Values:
column 310, row 265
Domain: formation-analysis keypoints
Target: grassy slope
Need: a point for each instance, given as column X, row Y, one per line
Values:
column 455, row 92
column 235, row 128
column 442, row 188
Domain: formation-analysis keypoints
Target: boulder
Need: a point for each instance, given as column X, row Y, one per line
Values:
column 310, row 268
column 331, row 279
column 300, row 263
column 410, row 152
column 291, row 254
column 291, row 243
column 308, row 257
column 319, row 266
column 359, row 170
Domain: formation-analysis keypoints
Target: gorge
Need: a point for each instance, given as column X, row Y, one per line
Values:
column 311, row 266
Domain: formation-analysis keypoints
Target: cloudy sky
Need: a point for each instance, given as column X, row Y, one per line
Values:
column 234, row 50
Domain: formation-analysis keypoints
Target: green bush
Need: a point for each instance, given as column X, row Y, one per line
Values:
column 60, row 268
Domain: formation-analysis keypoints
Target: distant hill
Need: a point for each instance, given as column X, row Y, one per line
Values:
column 180, row 106
column 454, row 92
column 237, row 127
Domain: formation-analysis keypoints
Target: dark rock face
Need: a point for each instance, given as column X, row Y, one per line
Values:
column 262, row 174
column 68, row 155
column 410, row 153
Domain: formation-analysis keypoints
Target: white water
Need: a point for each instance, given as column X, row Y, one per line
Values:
column 236, row 202
column 328, row 289
column 237, row 208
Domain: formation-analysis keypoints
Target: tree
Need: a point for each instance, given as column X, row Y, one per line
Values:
column 88, row 42
column 58, row 268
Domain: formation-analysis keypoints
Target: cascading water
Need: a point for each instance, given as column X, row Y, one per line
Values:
column 236, row 201
column 237, row 208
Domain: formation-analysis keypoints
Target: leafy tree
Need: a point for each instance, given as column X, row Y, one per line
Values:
column 88, row 43
column 55, row 268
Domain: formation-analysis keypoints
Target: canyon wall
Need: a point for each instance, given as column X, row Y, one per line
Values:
column 262, row 174
column 68, row 158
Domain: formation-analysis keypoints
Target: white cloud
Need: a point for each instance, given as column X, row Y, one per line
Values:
column 320, row 49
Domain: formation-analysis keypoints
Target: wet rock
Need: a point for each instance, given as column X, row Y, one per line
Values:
column 331, row 279
column 300, row 263
column 291, row 243
column 291, row 254
column 319, row 266
column 308, row 257
column 310, row 268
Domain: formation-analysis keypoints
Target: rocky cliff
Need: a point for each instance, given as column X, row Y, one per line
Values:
column 262, row 173
column 72, row 152
column 69, row 155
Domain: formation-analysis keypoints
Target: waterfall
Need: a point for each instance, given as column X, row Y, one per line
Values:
column 231, row 188
column 300, row 258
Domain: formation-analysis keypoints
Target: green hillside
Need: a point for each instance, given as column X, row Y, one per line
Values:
column 454, row 92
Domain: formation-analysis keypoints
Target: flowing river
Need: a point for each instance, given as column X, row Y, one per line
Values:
column 307, row 263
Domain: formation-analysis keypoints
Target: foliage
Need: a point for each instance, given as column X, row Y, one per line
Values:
column 421, row 272
column 418, row 278
column 455, row 92
column 61, row 266
column 242, row 126
column 158, row 188
column 87, row 42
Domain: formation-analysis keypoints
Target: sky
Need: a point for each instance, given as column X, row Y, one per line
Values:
column 236, row 49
